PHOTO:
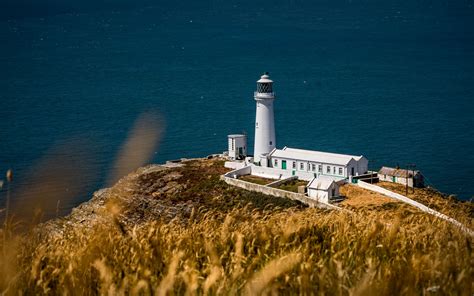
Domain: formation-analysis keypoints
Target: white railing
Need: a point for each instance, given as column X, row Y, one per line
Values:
column 260, row 95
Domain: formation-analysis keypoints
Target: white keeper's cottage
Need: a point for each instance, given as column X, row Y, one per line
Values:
column 317, row 162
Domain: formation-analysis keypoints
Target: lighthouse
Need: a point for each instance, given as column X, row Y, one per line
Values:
column 264, row 120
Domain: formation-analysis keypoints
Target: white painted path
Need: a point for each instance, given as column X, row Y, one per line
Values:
column 411, row 202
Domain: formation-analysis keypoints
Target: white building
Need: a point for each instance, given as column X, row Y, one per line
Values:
column 237, row 146
column 339, row 166
column 324, row 171
column 323, row 189
column 264, row 120
column 401, row 176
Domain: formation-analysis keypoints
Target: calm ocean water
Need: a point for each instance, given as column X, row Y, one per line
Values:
column 391, row 81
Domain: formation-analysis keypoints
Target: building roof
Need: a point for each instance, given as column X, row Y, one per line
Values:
column 322, row 183
column 314, row 156
column 236, row 136
column 397, row 172
column 265, row 78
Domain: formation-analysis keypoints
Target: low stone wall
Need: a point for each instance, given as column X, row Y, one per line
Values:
column 275, row 192
column 234, row 165
column 273, row 173
column 410, row 201
column 270, row 173
column 239, row 172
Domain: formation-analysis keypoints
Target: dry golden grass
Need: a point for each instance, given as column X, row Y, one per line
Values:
column 183, row 231
column 448, row 205
column 235, row 242
column 297, row 251
column 356, row 197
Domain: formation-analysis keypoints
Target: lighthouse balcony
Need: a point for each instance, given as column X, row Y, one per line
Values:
column 264, row 95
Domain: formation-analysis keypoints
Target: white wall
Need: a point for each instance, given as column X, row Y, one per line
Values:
column 399, row 180
column 362, row 165
column 319, row 195
column 324, row 195
column 229, row 179
column 275, row 173
column 239, row 172
column 307, row 167
column 241, row 143
column 270, row 173
column 231, row 148
column 234, row 164
column 413, row 203
column 265, row 140
column 236, row 142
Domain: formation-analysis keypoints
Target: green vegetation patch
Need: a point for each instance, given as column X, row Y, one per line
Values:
column 292, row 185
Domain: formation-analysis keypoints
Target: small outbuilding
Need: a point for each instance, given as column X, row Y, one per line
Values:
column 323, row 189
column 401, row 176
column 237, row 146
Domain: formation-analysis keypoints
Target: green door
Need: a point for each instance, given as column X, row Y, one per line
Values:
column 283, row 164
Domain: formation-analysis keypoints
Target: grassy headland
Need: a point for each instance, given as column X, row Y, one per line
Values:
column 183, row 231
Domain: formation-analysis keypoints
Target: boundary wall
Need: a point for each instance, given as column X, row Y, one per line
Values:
column 411, row 202
column 273, row 173
column 231, row 178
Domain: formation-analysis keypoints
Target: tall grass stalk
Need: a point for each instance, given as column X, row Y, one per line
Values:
column 259, row 252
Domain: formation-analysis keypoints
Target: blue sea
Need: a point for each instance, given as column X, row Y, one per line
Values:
column 391, row 80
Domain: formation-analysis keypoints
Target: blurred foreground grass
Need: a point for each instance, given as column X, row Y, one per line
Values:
column 183, row 231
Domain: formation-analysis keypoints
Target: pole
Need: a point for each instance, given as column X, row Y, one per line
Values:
column 6, row 229
column 9, row 176
column 412, row 166
column 406, row 182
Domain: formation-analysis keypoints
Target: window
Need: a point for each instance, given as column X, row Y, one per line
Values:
column 333, row 170
column 301, row 166
column 264, row 87
column 320, row 168
column 256, row 124
column 313, row 167
column 275, row 162
column 328, row 169
column 270, row 142
column 294, row 165
column 340, row 171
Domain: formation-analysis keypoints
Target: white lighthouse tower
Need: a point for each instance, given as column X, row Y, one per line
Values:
column 264, row 121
